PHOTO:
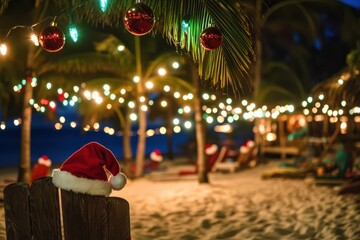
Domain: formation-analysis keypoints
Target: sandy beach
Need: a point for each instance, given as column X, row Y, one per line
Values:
column 237, row 206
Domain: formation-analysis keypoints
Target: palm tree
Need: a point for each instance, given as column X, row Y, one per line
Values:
column 353, row 59
column 113, row 74
column 40, row 64
column 28, row 70
column 228, row 67
column 294, row 39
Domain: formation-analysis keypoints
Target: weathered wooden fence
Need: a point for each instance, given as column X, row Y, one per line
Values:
column 43, row 211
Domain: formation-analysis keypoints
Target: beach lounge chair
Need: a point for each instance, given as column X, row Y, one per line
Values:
column 246, row 158
column 333, row 171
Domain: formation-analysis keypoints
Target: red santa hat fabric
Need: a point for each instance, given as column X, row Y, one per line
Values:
column 156, row 155
column 44, row 160
column 210, row 149
column 87, row 170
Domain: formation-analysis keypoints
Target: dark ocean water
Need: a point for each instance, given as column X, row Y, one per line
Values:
column 59, row 145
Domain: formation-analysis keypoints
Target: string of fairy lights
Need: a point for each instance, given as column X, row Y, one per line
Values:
column 138, row 19
column 220, row 113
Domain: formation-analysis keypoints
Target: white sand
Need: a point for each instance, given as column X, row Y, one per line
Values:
column 238, row 206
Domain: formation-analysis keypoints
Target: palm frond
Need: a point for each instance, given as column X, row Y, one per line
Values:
column 292, row 79
column 236, row 54
column 3, row 6
column 275, row 95
column 335, row 91
column 86, row 63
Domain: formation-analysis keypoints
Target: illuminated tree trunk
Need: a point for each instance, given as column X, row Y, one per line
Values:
column 257, row 73
column 170, row 131
column 200, row 130
column 127, row 142
column 24, row 170
column 258, row 62
column 140, row 152
column 126, row 125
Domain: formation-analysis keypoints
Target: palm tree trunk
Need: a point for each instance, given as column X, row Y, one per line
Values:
column 24, row 170
column 126, row 123
column 25, row 147
column 170, row 132
column 200, row 131
column 127, row 139
column 257, row 72
column 258, row 62
column 140, row 152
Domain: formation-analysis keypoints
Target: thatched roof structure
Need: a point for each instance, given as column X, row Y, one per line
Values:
column 343, row 86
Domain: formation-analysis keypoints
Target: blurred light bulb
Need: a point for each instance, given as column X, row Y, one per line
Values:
column 3, row 49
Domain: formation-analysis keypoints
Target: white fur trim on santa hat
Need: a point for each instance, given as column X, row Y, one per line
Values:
column 211, row 149
column 244, row 149
column 118, row 181
column 156, row 157
column 250, row 144
column 67, row 181
column 45, row 162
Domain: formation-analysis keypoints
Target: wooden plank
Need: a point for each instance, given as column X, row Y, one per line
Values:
column 287, row 150
column 44, row 208
column 119, row 218
column 97, row 217
column 17, row 212
column 84, row 216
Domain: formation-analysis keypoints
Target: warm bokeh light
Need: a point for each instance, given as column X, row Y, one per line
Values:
column 121, row 48
column 162, row 71
column 136, row 79
column 3, row 49
column 175, row 65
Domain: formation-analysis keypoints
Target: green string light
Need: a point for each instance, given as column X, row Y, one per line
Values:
column 72, row 29
column 73, row 33
column 103, row 5
column 185, row 23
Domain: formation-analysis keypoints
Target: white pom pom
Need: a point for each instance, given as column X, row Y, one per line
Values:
column 118, row 181
column 209, row 150
column 250, row 144
column 244, row 149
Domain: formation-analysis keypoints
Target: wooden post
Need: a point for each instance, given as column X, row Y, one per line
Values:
column 17, row 212
column 44, row 209
column 35, row 213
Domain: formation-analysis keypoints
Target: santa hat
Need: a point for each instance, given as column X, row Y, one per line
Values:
column 244, row 149
column 87, row 170
column 210, row 149
column 156, row 155
column 250, row 143
column 44, row 160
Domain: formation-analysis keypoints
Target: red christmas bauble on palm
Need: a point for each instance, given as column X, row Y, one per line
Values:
column 139, row 19
column 52, row 39
column 211, row 38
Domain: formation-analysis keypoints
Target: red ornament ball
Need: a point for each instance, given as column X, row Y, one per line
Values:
column 211, row 38
column 139, row 19
column 52, row 39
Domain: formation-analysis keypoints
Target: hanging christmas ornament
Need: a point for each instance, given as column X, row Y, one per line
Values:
column 61, row 96
column 52, row 39
column 211, row 38
column 139, row 19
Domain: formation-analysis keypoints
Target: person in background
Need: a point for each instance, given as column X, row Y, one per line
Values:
column 41, row 168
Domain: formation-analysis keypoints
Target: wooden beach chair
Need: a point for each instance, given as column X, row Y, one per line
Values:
column 43, row 211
